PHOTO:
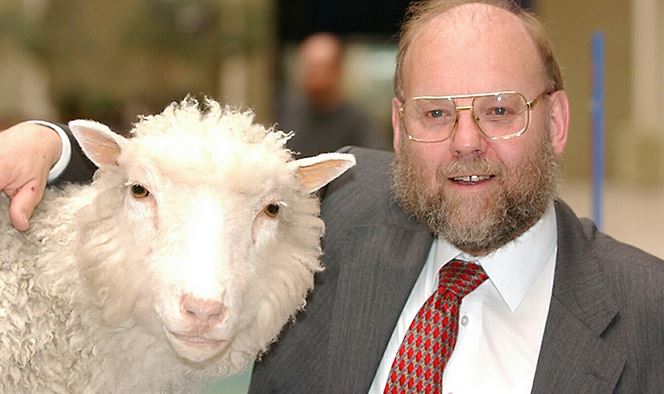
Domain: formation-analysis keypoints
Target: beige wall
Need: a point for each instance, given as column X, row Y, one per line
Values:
column 571, row 24
column 248, row 55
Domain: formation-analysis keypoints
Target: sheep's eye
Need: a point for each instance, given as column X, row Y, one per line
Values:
column 271, row 210
column 139, row 191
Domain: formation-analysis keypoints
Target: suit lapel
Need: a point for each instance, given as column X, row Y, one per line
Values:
column 573, row 357
column 381, row 265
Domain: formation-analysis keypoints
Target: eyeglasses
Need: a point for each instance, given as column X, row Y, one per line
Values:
column 498, row 115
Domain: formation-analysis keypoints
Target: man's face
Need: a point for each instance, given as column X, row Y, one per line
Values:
column 478, row 193
column 321, row 70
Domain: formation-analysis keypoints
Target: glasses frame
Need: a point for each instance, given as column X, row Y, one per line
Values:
column 530, row 104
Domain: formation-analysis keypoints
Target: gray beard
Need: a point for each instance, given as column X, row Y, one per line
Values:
column 481, row 224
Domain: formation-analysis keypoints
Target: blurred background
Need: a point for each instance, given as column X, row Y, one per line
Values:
column 113, row 60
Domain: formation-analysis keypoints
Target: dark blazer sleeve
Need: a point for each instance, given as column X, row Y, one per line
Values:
column 80, row 169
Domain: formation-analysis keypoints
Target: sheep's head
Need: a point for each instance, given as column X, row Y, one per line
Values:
column 204, row 229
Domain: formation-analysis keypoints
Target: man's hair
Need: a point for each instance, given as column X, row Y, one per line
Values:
column 332, row 41
column 419, row 13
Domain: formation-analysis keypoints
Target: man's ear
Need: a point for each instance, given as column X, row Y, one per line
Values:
column 101, row 145
column 396, row 124
column 317, row 171
column 559, row 120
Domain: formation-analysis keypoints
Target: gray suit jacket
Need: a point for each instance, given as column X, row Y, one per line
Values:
column 604, row 332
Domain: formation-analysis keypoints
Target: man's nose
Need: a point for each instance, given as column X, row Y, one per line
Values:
column 467, row 138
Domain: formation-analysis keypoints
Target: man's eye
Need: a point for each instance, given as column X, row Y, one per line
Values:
column 436, row 113
column 498, row 111
column 139, row 191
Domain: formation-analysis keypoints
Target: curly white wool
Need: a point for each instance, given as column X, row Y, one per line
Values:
column 89, row 292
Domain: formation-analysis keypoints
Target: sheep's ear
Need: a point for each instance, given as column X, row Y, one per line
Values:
column 317, row 171
column 99, row 143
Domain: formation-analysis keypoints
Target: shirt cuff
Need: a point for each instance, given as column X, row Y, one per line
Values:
column 65, row 155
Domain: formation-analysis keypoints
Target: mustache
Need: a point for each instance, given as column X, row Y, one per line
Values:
column 469, row 166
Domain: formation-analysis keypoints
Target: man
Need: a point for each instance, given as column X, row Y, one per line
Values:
column 480, row 120
column 321, row 116
column 565, row 309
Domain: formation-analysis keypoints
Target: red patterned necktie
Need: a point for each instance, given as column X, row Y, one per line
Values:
column 430, row 339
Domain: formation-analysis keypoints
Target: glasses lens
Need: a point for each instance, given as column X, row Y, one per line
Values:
column 429, row 119
column 501, row 115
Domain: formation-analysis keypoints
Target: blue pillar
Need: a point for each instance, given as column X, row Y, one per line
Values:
column 598, row 126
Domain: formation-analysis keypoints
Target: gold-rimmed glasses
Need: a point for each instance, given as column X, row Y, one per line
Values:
column 498, row 115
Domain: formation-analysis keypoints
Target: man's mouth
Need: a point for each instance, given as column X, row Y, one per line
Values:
column 471, row 179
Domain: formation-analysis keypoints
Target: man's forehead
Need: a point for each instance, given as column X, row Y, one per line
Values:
column 474, row 38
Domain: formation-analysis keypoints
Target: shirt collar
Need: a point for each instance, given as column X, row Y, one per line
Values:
column 512, row 268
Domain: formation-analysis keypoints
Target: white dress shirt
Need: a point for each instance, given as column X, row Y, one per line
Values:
column 65, row 151
column 501, row 323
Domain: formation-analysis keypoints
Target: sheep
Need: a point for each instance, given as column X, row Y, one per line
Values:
column 196, row 242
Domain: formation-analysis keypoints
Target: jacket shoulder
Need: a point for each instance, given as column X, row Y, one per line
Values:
column 631, row 261
column 362, row 193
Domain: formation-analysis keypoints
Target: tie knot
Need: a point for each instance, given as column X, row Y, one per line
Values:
column 460, row 277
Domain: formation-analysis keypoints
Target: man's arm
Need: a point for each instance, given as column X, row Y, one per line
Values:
column 28, row 151
column 79, row 169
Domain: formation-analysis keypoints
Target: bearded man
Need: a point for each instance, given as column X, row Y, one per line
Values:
column 466, row 274
column 452, row 265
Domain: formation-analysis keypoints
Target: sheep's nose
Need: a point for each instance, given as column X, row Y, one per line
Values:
column 202, row 312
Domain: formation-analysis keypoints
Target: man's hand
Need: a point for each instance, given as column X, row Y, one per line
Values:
column 27, row 153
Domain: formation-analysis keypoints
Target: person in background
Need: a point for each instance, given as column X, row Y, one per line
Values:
column 321, row 116
column 451, row 265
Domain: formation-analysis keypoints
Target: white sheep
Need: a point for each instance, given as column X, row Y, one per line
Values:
column 197, row 241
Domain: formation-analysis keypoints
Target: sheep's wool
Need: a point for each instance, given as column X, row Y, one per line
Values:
column 91, row 293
